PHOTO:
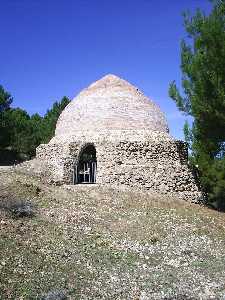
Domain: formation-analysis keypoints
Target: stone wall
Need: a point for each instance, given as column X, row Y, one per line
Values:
column 160, row 167
column 55, row 159
column 156, row 166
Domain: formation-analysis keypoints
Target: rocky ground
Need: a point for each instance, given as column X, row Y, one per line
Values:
column 86, row 242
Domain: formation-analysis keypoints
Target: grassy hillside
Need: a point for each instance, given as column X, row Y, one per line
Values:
column 95, row 243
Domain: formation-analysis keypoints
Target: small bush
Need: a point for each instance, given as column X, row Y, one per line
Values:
column 55, row 295
column 18, row 208
column 154, row 239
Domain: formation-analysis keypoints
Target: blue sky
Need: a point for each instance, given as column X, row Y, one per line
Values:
column 52, row 48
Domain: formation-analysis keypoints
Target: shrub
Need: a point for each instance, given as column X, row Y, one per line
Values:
column 18, row 208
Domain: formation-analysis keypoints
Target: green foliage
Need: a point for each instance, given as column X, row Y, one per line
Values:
column 21, row 133
column 188, row 134
column 5, row 100
column 51, row 117
column 203, row 83
column 36, row 132
column 18, row 122
column 214, row 182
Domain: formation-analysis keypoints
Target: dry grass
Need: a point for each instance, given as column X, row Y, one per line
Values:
column 103, row 243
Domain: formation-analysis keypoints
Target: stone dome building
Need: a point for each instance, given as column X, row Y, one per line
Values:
column 112, row 134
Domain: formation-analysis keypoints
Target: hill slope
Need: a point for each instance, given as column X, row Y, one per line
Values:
column 95, row 243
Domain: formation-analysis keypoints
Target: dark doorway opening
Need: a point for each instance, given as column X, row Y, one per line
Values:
column 85, row 170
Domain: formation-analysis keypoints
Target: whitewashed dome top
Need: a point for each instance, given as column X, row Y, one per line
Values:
column 110, row 104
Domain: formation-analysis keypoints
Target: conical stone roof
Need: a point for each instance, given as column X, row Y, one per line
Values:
column 110, row 104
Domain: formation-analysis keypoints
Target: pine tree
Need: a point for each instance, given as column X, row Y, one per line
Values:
column 203, row 83
column 51, row 117
column 5, row 102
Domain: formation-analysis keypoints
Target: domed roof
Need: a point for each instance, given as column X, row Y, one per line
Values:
column 110, row 104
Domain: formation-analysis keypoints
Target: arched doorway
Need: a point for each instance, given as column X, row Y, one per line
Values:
column 86, row 167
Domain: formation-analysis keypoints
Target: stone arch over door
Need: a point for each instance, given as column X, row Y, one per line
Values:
column 85, row 168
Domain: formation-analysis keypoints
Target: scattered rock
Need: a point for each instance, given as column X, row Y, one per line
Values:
column 55, row 295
